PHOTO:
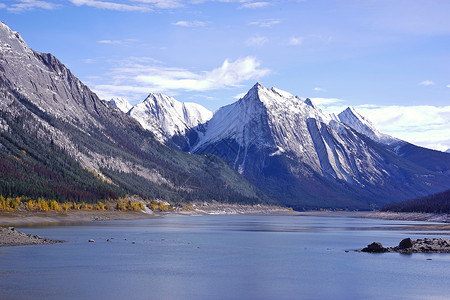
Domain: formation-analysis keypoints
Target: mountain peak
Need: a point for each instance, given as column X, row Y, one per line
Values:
column 121, row 103
column 309, row 102
column 258, row 86
column 355, row 120
column 13, row 38
column 166, row 117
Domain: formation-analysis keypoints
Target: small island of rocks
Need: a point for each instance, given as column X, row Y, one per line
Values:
column 408, row 246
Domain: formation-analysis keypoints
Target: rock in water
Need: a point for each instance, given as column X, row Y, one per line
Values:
column 375, row 247
column 405, row 243
column 408, row 246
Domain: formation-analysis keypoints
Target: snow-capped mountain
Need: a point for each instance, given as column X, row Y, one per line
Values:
column 53, row 129
column 166, row 117
column 295, row 153
column 122, row 104
column 353, row 119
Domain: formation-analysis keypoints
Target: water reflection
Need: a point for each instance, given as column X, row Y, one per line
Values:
column 223, row 257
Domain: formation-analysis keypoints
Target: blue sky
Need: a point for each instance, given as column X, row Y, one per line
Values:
column 389, row 59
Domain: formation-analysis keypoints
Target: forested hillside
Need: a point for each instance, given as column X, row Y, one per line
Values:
column 437, row 203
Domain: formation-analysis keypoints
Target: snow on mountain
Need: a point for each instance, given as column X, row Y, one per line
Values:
column 246, row 119
column 447, row 151
column 295, row 153
column 276, row 120
column 353, row 119
column 167, row 117
column 122, row 104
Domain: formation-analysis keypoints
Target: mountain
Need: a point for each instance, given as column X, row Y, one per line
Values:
column 166, row 117
column 429, row 159
column 59, row 140
column 353, row 119
column 298, row 155
column 121, row 103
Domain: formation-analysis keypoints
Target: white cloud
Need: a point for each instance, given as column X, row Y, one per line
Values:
column 23, row 5
column 2, row 5
column 109, row 42
column 228, row 75
column 190, row 23
column 253, row 5
column 256, row 41
column 328, row 104
column 135, row 78
column 448, row 85
column 165, row 4
column 423, row 125
column 427, row 82
column 117, row 42
column 266, row 23
column 110, row 5
column 240, row 95
column 294, row 41
column 318, row 89
column 88, row 60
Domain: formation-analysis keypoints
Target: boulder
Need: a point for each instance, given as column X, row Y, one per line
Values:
column 375, row 247
column 406, row 243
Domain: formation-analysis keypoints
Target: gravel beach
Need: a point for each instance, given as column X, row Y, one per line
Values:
column 9, row 236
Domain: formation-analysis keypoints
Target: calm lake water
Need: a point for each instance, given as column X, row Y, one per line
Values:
column 224, row 257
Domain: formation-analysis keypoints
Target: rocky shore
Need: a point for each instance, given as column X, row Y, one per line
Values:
column 216, row 208
column 409, row 216
column 11, row 237
column 408, row 246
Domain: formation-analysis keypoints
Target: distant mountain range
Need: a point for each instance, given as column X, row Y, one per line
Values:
column 59, row 140
column 303, row 158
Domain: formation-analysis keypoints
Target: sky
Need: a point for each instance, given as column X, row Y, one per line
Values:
column 388, row 59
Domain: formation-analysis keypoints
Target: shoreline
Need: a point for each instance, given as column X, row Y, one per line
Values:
column 11, row 237
column 26, row 218
column 410, row 216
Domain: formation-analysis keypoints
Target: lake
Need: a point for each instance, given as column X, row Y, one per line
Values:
column 224, row 257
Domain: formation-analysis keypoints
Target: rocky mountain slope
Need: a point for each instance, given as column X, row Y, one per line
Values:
column 353, row 119
column 429, row 159
column 59, row 140
column 306, row 159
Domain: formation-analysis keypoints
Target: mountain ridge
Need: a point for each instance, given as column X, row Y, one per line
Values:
column 165, row 117
column 295, row 153
column 44, row 106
